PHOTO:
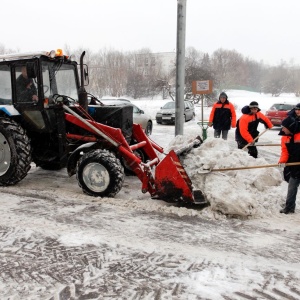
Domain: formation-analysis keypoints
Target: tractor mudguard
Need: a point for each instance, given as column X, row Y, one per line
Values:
column 9, row 110
column 75, row 155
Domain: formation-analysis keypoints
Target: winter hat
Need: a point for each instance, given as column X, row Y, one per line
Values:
column 297, row 106
column 288, row 123
column 246, row 110
column 223, row 95
column 253, row 104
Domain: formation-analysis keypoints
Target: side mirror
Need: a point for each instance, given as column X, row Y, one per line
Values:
column 141, row 111
column 31, row 70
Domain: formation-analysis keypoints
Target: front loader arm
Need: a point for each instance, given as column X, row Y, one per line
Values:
column 115, row 137
column 170, row 183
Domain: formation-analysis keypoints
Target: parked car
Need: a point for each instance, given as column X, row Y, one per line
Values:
column 114, row 98
column 278, row 112
column 139, row 116
column 166, row 114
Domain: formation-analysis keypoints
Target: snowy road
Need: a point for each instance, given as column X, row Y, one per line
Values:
column 91, row 249
column 57, row 243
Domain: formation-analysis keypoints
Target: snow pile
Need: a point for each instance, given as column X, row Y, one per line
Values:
column 249, row 192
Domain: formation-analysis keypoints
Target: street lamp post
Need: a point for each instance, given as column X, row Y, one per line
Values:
column 180, row 67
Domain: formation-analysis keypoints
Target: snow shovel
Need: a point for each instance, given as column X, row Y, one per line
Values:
column 270, row 144
column 249, row 144
column 250, row 167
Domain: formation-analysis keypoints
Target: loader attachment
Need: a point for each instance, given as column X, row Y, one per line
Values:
column 187, row 148
column 173, row 183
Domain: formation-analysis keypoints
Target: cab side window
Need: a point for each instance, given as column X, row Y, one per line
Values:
column 5, row 85
column 26, row 90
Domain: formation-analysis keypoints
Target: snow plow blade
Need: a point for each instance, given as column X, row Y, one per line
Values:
column 173, row 183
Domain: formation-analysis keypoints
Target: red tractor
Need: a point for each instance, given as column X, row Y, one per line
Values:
column 46, row 117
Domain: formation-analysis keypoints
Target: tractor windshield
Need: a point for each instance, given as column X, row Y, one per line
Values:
column 59, row 79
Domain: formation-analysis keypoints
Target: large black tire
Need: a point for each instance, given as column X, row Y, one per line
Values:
column 100, row 173
column 15, row 152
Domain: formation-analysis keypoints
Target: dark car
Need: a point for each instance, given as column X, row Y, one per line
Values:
column 278, row 112
column 166, row 114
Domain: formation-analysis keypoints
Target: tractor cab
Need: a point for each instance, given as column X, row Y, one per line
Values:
column 30, row 86
column 29, row 82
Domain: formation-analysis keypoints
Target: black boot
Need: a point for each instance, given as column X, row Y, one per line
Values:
column 287, row 211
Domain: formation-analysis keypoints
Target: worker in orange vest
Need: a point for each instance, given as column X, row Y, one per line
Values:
column 222, row 117
column 246, row 127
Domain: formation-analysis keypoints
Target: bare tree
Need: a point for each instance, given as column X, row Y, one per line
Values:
column 228, row 67
column 276, row 80
column 108, row 69
column 254, row 72
column 192, row 67
column 145, row 69
column 141, row 73
column 294, row 82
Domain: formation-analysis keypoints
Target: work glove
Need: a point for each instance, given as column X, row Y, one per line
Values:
column 209, row 124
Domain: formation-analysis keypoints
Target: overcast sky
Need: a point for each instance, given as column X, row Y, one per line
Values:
column 265, row 30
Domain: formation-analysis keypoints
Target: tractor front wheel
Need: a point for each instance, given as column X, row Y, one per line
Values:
column 100, row 173
column 15, row 152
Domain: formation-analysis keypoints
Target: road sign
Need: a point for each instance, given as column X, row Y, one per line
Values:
column 202, row 87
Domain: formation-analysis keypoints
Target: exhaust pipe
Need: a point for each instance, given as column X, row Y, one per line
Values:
column 83, row 102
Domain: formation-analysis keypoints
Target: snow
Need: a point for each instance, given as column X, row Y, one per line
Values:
column 57, row 243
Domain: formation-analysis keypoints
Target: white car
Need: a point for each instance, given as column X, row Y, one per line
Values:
column 139, row 116
column 166, row 114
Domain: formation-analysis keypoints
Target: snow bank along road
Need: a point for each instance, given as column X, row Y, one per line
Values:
column 57, row 243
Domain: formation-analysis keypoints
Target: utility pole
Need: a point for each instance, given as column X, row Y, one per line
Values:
column 180, row 67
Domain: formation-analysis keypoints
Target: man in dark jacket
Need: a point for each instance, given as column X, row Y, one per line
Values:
column 290, row 152
column 246, row 127
column 222, row 117
column 26, row 90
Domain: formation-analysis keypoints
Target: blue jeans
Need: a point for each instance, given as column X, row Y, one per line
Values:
column 292, row 193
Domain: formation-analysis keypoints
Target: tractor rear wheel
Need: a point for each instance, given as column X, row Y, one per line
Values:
column 100, row 173
column 15, row 152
